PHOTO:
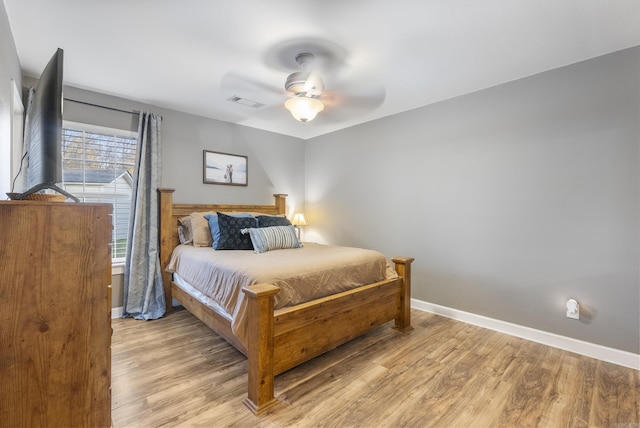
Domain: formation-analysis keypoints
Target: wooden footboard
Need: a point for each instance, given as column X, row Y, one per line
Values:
column 281, row 339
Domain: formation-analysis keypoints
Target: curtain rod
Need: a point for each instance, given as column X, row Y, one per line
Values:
column 99, row 106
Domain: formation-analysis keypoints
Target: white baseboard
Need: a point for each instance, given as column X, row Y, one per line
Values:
column 117, row 312
column 611, row 355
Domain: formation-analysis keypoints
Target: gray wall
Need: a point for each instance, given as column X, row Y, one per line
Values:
column 512, row 199
column 275, row 162
column 9, row 70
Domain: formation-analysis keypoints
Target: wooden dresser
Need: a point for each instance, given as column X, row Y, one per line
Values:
column 55, row 314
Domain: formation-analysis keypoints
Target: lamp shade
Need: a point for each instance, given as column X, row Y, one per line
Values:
column 298, row 220
column 303, row 108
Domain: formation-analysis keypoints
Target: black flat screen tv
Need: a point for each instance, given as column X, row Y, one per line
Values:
column 43, row 131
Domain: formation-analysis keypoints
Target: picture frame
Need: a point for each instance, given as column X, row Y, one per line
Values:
column 224, row 168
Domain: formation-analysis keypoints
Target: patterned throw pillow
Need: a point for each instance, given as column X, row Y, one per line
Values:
column 230, row 236
column 272, row 238
column 214, row 228
column 272, row 220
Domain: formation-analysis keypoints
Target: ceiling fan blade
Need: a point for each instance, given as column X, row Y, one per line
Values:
column 238, row 84
column 314, row 85
column 271, row 112
column 343, row 106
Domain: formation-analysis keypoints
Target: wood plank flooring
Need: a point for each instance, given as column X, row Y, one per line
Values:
column 175, row 372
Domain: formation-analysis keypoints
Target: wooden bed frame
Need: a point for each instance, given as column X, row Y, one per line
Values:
column 281, row 339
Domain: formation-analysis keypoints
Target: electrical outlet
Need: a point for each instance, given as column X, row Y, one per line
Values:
column 573, row 309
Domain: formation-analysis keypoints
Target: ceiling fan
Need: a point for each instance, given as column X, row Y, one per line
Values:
column 351, row 88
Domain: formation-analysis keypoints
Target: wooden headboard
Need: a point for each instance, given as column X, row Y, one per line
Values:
column 170, row 213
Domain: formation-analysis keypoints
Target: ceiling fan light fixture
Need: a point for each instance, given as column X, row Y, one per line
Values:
column 304, row 108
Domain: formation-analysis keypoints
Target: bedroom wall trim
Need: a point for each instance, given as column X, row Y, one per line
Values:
column 117, row 312
column 611, row 355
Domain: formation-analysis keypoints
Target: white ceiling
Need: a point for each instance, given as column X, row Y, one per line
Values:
column 380, row 57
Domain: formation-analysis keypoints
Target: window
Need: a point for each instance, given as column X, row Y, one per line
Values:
column 97, row 166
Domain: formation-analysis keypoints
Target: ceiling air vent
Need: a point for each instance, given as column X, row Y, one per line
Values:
column 245, row 102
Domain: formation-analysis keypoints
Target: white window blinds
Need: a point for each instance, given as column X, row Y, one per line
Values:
column 97, row 166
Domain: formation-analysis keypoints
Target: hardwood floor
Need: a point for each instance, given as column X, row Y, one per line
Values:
column 176, row 372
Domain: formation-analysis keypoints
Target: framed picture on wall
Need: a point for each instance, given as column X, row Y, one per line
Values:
column 224, row 168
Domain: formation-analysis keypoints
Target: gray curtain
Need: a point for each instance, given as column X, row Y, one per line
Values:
column 143, row 291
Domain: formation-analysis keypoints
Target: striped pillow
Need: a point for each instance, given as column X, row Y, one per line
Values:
column 272, row 238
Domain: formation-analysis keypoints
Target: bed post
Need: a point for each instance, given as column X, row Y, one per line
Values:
column 281, row 201
column 403, row 268
column 166, row 244
column 260, row 302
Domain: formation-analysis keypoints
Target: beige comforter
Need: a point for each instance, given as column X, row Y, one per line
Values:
column 303, row 274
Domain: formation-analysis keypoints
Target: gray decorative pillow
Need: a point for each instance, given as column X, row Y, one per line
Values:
column 230, row 236
column 272, row 238
column 184, row 230
column 272, row 220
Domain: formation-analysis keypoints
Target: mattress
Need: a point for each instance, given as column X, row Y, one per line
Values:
column 302, row 274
